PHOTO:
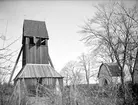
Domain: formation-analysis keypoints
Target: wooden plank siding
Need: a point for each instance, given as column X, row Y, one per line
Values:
column 35, row 53
column 27, row 54
column 32, row 54
column 44, row 54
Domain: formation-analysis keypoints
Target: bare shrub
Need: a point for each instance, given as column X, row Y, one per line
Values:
column 42, row 95
column 92, row 95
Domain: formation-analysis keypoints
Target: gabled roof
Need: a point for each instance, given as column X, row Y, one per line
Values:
column 35, row 28
column 112, row 68
column 38, row 71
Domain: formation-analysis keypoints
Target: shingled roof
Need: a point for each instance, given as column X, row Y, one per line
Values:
column 38, row 71
column 113, row 69
column 35, row 28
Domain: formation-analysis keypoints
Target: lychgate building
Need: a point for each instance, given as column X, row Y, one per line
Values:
column 109, row 73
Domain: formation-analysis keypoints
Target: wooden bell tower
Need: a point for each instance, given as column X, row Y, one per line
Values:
column 34, row 45
column 35, row 42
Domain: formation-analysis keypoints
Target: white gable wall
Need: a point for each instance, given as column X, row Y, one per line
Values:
column 104, row 74
column 116, row 80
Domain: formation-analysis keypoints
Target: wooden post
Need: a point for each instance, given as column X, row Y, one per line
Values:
column 19, row 92
column 15, row 64
column 50, row 61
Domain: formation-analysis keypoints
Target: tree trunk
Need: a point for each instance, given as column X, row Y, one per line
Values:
column 87, row 79
column 123, row 87
column 132, row 76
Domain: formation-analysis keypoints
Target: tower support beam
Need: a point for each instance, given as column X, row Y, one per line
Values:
column 15, row 64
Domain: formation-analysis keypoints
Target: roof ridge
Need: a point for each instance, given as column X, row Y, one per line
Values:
column 36, row 64
column 33, row 20
column 110, row 64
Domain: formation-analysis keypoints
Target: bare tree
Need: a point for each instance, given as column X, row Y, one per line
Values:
column 87, row 64
column 132, row 14
column 6, row 56
column 71, row 73
column 114, row 31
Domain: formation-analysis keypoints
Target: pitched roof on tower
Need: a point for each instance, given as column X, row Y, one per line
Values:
column 37, row 71
column 35, row 28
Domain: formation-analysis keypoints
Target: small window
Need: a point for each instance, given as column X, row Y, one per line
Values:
column 43, row 41
column 32, row 40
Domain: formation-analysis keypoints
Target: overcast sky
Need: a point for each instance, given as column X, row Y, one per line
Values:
column 62, row 18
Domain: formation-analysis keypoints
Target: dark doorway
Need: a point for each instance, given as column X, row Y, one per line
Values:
column 105, row 82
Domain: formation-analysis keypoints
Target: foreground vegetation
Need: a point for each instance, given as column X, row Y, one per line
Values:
column 82, row 94
column 95, row 95
column 114, row 28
